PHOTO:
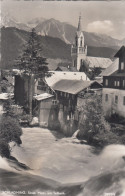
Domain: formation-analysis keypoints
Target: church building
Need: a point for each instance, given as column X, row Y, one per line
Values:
column 80, row 60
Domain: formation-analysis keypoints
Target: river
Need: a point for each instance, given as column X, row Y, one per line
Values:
column 63, row 165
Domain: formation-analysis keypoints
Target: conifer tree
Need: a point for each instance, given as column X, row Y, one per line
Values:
column 32, row 64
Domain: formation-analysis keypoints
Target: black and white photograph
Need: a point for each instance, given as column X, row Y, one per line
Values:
column 62, row 98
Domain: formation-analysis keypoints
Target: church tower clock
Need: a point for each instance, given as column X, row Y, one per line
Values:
column 78, row 50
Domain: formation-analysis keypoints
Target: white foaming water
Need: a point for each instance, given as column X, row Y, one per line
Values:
column 122, row 183
column 4, row 164
column 111, row 157
column 65, row 160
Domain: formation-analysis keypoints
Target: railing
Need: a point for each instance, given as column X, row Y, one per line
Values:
column 78, row 50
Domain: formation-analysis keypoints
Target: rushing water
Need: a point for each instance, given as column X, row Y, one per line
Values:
column 64, row 165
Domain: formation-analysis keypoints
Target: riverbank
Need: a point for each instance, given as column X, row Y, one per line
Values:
column 116, row 135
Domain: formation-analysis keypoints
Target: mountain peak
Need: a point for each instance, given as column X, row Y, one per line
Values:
column 9, row 21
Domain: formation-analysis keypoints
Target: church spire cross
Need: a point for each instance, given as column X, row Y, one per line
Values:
column 79, row 24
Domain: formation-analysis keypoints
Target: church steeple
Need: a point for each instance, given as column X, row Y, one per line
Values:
column 79, row 24
column 78, row 50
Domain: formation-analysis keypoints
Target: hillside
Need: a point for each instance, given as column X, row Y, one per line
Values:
column 13, row 41
column 54, row 49
column 101, row 52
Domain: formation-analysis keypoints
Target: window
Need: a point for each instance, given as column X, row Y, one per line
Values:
column 54, row 102
column 124, row 100
column 81, row 42
column 116, row 99
column 106, row 97
column 118, row 83
column 81, row 62
column 122, row 65
column 106, row 82
column 123, row 83
column 61, row 93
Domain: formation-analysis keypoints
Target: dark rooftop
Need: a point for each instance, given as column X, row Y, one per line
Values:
column 72, row 86
column 120, row 52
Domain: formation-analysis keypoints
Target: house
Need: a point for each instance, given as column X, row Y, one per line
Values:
column 114, row 88
column 46, row 111
column 111, row 68
column 62, row 68
column 65, row 75
column 108, row 71
column 70, row 93
column 25, row 84
column 41, row 86
column 43, row 98
column 80, row 60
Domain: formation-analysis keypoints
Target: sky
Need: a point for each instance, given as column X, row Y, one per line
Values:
column 105, row 17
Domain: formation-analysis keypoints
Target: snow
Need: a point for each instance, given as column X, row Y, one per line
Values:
column 111, row 68
column 43, row 96
column 60, row 75
column 98, row 62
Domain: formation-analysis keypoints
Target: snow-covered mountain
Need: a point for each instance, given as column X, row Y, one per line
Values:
column 55, row 28
column 9, row 21
column 34, row 22
column 61, row 30
column 66, row 32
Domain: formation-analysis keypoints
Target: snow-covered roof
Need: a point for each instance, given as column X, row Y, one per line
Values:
column 111, row 68
column 63, row 75
column 42, row 96
column 73, row 86
column 98, row 62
